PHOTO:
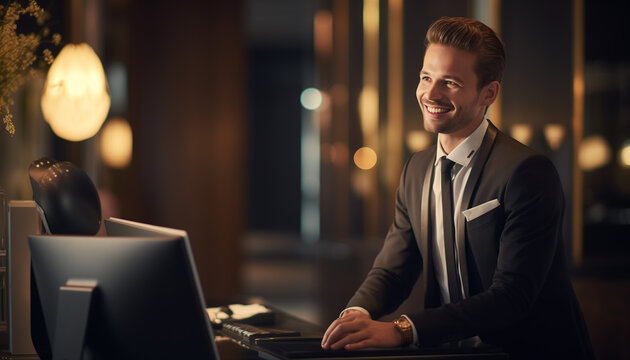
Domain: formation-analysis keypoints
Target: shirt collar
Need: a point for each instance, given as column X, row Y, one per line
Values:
column 464, row 152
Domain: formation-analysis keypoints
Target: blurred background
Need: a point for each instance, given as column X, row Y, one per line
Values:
column 274, row 132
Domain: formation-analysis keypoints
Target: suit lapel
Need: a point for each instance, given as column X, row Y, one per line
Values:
column 425, row 226
column 471, row 184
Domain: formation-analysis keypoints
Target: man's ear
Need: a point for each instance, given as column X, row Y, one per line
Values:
column 490, row 92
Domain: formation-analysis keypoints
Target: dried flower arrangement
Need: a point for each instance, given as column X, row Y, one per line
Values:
column 19, row 52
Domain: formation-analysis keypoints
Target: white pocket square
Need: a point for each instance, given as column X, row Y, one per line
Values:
column 479, row 210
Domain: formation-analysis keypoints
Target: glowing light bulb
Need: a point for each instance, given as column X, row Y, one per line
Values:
column 76, row 98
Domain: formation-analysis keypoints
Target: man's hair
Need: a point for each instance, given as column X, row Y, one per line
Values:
column 473, row 36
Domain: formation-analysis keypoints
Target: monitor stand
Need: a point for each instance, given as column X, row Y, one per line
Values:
column 73, row 311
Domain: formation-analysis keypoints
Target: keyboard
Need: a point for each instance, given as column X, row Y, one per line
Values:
column 248, row 334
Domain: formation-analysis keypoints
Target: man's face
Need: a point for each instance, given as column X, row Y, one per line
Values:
column 447, row 92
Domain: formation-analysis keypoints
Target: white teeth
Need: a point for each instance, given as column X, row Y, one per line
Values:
column 437, row 110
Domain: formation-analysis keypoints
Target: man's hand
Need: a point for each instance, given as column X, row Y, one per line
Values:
column 355, row 330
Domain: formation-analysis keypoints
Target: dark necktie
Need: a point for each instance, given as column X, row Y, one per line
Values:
column 449, row 231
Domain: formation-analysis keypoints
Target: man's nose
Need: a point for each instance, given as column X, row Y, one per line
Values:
column 433, row 91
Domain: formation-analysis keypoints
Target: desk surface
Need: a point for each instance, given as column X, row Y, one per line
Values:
column 232, row 349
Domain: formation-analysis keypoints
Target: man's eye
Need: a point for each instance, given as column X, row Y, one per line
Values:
column 451, row 83
column 425, row 78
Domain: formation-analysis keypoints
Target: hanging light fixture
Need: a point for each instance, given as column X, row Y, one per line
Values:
column 76, row 97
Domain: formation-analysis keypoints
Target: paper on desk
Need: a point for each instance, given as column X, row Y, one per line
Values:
column 252, row 314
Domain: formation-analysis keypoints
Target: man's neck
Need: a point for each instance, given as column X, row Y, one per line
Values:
column 450, row 141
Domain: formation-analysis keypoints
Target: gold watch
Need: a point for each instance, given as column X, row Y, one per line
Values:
column 406, row 331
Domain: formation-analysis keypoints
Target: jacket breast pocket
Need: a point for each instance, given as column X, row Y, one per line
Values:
column 485, row 220
column 483, row 234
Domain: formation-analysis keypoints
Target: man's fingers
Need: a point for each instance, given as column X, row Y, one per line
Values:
column 339, row 328
column 361, row 333
column 331, row 329
column 327, row 333
column 344, row 342
column 356, row 331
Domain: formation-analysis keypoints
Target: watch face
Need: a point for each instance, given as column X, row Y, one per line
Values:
column 402, row 323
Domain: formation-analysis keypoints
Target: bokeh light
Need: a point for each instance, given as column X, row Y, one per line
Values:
column 311, row 99
column 522, row 133
column 594, row 152
column 365, row 158
column 554, row 134
column 368, row 111
column 418, row 140
column 116, row 143
column 624, row 154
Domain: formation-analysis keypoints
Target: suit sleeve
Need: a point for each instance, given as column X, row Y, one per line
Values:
column 533, row 204
column 397, row 265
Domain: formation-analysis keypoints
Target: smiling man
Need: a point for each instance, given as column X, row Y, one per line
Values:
column 479, row 216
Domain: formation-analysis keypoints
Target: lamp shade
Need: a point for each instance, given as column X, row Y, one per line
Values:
column 76, row 97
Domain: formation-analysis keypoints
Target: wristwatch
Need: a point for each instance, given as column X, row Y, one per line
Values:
column 406, row 331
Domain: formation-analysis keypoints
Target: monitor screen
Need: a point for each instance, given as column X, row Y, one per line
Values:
column 147, row 302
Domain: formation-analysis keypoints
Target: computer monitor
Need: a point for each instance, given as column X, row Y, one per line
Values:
column 146, row 303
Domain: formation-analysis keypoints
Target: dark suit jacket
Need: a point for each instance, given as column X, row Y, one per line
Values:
column 518, row 291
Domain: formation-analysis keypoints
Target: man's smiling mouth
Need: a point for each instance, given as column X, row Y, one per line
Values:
column 437, row 109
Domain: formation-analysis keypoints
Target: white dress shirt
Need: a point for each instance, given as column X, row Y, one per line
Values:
column 462, row 155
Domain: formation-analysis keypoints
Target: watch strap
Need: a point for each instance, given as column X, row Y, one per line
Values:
column 403, row 325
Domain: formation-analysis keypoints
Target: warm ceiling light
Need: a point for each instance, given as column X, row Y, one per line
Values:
column 76, row 98
column 116, row 143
